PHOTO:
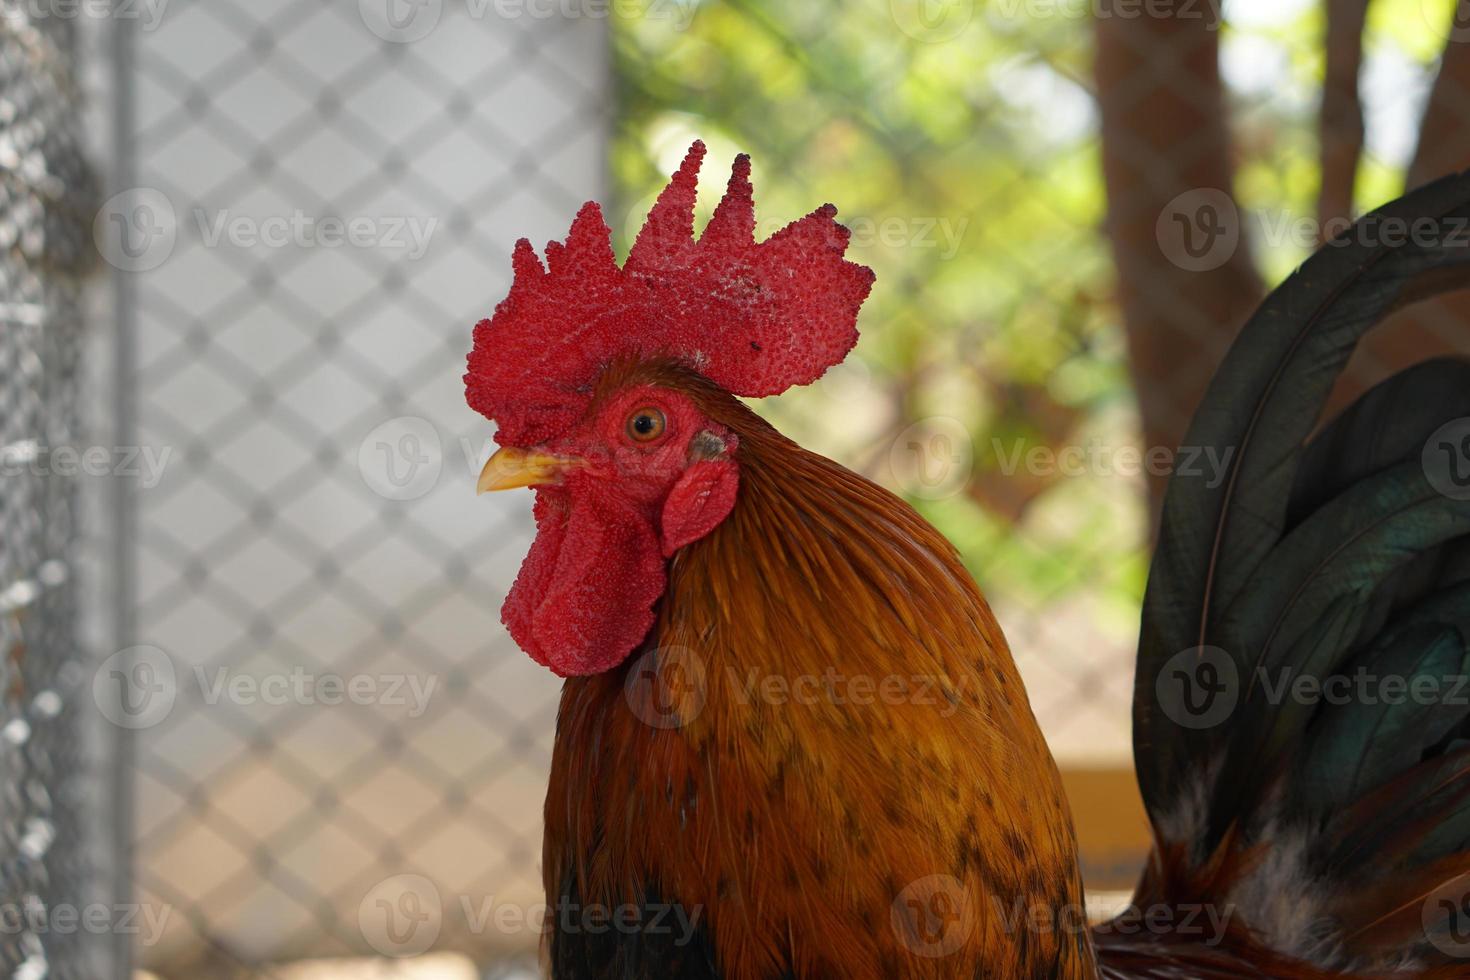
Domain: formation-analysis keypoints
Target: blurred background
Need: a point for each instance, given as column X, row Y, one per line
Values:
column 257, row 714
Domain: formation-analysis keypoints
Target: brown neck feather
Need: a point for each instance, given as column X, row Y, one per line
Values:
column 825, row 748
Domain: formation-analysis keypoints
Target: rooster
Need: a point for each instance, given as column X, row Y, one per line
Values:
column 792, row 741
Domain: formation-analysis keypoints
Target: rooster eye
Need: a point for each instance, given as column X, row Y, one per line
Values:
column 646, row 425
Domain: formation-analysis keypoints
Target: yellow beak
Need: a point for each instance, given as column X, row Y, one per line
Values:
column 511, row 468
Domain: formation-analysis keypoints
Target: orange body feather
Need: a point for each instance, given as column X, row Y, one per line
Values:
column 826, row 747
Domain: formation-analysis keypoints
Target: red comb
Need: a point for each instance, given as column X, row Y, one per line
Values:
column 755, row 318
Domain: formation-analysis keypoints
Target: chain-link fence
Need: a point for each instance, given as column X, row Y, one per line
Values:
column 328, row 710
column 54, row 783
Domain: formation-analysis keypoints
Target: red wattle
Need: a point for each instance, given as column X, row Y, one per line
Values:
column 703, row 497
column 584, row 598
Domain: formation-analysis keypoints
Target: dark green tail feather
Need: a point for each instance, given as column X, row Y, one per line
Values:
column 1321, row 556
column 1306, row 616
column 1360, row 745
column 1262, row 404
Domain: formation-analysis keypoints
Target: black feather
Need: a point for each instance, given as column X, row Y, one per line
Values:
column 1320, row 564
column 1217, row 536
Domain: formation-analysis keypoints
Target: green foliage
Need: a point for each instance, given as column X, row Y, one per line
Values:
column 963, row 153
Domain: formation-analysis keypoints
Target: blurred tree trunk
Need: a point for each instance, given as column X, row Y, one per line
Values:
column 1440, row 326
column 1444, row 137
column 1169, row 171
column 1340, row 123
column 1165, row 135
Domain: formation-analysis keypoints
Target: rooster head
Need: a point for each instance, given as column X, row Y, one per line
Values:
column 579, row 367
